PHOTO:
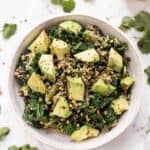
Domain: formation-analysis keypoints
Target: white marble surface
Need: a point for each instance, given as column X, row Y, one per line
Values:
column 35, row 11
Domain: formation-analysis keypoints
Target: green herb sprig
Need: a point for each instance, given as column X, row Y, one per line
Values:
column 9, row 30
column 68, row 5
column 141, row 23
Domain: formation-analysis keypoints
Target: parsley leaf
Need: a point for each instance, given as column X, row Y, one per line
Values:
column 9, row 30
column 144, row 42
column 141, row 23
column 127, row 23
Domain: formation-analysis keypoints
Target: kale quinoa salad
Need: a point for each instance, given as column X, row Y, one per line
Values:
column 75, row 80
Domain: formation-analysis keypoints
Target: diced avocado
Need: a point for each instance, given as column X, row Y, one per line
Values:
column 103, row 88
column 83, row 133
column 76, row 88
column 120, row 105
column 62, row 108
column 36, row 83
column 47, row 66
column 40, row 44
column 71, row 26
column 115, row 60
column 89, row 56
column 59, row 48
column 50, row 93
column 90, row 36
column 126, row 83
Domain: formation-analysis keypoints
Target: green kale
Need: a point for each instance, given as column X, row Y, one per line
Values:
column 100, row 102
column 9, row 30
column 112, row 42
column 81, row 46
column 35, row 112
column 34, row 64
column 110, row 116
column 70, row 127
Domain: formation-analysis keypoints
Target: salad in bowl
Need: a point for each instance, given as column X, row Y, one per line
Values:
column 74, row 79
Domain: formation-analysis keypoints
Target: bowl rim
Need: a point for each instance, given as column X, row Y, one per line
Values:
column 91, row 145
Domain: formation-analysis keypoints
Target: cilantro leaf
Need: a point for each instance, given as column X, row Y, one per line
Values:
column 144, row 42
column 9, row 30
column 142, row 21
column 127, row 23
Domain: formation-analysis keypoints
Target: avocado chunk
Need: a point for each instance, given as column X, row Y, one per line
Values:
column 76, row 88
column 126, row 83
column 47, row 66
column 36, row 83
column 60, row 49
column 120, row 105
column 90, row 36
column 40, row 44
column 88, row 56
column 103, row 88
column 115, row 60
column 83, row 133
column 62, row 108
column 71, row 26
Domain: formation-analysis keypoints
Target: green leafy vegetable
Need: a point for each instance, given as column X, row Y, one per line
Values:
column 68, row 5
column 140, row 22
column 9, row 30
column 69, row 128
column 34, row 112
column 127, row 23
column 144, row 42
column 81, row 47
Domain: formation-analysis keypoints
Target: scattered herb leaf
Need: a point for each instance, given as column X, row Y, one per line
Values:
column 141, row 23
column 68, row 5
column 9, row 30
column 127, row 23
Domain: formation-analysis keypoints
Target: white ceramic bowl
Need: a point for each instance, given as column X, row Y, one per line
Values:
column 60, row 141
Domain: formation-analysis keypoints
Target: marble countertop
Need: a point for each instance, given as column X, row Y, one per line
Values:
column 36, row 11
